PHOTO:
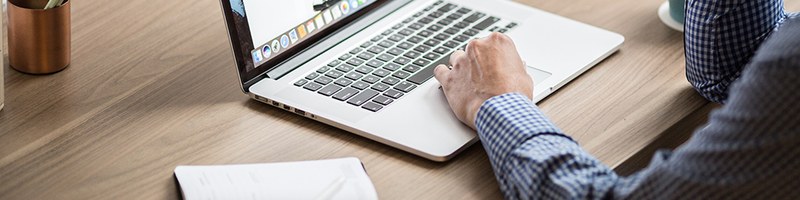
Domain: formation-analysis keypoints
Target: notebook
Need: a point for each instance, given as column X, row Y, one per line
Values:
column 343, row 178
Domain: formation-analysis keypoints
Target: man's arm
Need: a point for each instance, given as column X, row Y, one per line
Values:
column 721, row 38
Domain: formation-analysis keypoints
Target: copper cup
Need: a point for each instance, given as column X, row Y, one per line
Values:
column 38, row 39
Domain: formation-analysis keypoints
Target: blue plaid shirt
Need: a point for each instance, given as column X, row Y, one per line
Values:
column 750, row 148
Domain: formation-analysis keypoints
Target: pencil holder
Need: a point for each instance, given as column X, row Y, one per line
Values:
column 38, row 39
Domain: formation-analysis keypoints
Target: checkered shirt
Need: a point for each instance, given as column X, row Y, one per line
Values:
column 749, row 149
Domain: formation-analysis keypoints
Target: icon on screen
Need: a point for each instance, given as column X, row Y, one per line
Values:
column 276, row 46
column 336, row 12
column 344, row 7
column 362, row 2
column 353, row 3
column 320, row 21
column 310, row 26
column 301, row 31
column 293, row 36
column 257, row 58
column 327, row 15
column 284, row 41
column 267, row 51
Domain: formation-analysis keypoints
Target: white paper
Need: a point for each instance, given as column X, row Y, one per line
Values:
column 343, row 178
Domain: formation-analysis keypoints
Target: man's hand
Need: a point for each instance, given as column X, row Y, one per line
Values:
column 490, row 67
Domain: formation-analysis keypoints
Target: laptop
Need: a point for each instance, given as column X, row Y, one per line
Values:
column 366, row 66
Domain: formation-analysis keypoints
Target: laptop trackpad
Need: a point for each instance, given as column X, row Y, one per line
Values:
column 538, row 75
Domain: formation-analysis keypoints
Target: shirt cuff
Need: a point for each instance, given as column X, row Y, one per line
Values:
column 507, row 121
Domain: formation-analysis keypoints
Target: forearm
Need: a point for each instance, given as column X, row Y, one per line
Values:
column 534, row 159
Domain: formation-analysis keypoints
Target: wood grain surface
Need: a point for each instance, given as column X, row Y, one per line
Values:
column 152, row 86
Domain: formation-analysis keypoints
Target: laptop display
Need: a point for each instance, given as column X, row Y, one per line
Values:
column 267, row 32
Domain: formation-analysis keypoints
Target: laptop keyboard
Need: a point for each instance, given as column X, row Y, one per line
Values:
column 393, row 63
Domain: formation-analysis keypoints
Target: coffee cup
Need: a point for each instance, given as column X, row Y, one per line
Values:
column 677, row 10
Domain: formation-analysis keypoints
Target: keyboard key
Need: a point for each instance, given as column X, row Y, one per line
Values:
column 422, row 48
column 426, row 20
column 377, row 38
column 427, row 71
column 398, row 26
column 383, row 100
column 344, row 82
column 442, row 36
column 387, row 32
column 355, row 62
column 422, row 62
column 433, row 42
column 366, row 44
column 386, row 44
column 395, row 51
column 364, row 70
column 361, row 85
column 415, row 26
column 394, row 94
column 371, row 79
column 405, row 45
column 334, row 74
column 344, row 68
column 471, row 32
column 461, row 25
column 354, row 76
column 300, row 82
column 415, row 40
column 402, row 61
column 355, row 51
column 448, row 7
column 502, row 30
column 435, row 15
column 345, row 57
column 375, row 63
column 411, row 68
column 312, row 76
column 323, row 69
column 380, row 87
column 432, row 56
column 442, row 50
column 381, row 73
column 329, row 90
column 323, row 80
column 445, row 22
column 419, row 14
column 390, row 80
column 396, row 38
column 454, row 16
column 312, row 86
column 376, row 50
column 412, row 54
column 405, row 87
column 410, row 19
column 372, row 107
column 363, row 97
column 406, row 32
column 486, row 23
column 401, row 75
column 435, row 28
column 461, row 38
column 391, row 67
column 366, row 56
column 345, row 94
column 385, row 57
column 464, row 10
column 511, row 25
column 334, row 63
column 452, row 31
column 425, row 33
column 451, row 44
column 474, row 17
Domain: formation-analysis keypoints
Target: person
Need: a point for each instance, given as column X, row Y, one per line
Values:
column 743, row 53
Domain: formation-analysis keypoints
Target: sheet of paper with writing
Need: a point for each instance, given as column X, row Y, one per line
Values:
column 343, row 178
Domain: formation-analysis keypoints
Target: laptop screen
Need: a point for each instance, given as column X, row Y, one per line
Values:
column 267, row 32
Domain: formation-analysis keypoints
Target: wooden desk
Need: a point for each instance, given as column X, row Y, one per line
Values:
column 151, row 86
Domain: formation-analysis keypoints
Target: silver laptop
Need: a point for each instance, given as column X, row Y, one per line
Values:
column 366, row 66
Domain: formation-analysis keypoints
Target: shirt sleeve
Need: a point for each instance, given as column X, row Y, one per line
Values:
column 747, row 150
column 721, row 38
